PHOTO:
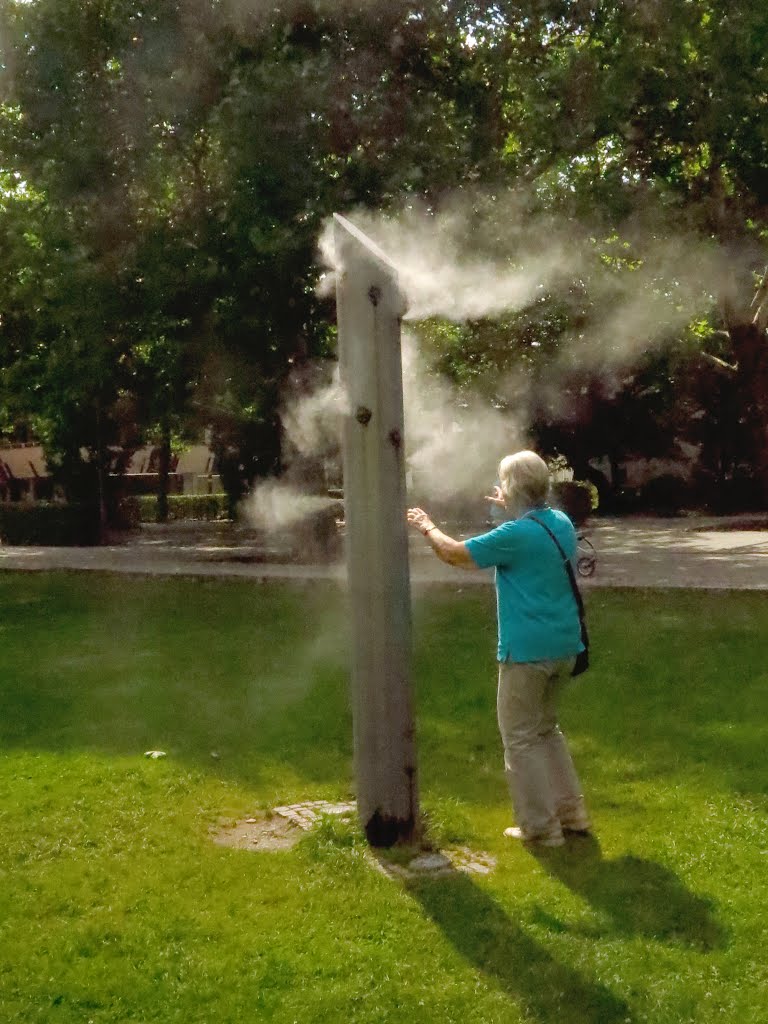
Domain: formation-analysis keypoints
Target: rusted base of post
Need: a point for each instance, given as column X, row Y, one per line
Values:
column 382, row 832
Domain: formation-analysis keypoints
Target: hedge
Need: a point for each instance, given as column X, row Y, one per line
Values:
column 49, row 524
column 143, row 508
column 577, row 498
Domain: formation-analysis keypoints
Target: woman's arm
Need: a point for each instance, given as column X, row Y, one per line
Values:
column 448, row 550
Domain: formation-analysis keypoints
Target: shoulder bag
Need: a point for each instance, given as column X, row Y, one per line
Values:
column 582, row 658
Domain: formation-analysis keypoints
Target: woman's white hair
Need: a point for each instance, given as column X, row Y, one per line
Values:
column 524, row 480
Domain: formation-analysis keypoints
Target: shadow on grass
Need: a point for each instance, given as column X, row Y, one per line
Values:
column 479, row 928
column 639, row 897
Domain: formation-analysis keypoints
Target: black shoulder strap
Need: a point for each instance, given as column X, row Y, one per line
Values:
column 571, row 579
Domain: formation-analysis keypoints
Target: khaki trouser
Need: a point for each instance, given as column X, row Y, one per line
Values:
column 543, row 784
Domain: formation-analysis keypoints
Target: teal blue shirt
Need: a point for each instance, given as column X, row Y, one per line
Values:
column 537, row 614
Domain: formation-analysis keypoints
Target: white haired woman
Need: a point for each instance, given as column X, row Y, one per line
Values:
column 539, row 638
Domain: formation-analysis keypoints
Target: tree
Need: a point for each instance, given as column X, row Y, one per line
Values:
column 169, row 181
column 190, row 194
column 652, row 105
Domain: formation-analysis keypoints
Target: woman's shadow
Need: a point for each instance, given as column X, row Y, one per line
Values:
column 480, row 929
column 635, row 896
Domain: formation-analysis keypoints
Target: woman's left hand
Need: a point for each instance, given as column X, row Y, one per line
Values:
column 497, row 498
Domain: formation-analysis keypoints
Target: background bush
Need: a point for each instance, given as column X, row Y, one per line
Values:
column 49, row 524
column 666, row 495
column 577, row 498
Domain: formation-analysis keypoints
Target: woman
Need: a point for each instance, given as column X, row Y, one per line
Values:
column 538, row 640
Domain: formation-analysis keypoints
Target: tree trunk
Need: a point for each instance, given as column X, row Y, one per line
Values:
column 163, row 472
column 102, row 477
column 750, row 347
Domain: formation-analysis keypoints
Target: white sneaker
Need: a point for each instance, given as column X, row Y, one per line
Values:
column 516, row 833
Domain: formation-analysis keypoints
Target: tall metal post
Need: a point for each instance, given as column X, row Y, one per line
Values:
column 369, row 308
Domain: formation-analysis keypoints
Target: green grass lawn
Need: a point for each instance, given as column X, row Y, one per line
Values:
column 116, row 906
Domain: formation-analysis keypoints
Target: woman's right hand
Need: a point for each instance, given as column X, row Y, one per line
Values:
column 418, row 517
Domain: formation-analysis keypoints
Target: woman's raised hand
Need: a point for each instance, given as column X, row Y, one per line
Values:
column 418, row 517
column 497, row 498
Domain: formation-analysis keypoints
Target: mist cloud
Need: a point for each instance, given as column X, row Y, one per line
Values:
column 483, row 257
column 487, row 257
column 453, row 442
column 471, row 260
column 636, row 311
column 275, row 505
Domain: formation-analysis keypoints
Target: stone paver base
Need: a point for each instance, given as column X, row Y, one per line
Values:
column 286, row 825
column 307, row 815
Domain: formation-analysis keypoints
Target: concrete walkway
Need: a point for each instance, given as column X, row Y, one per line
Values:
column 693, row 553
column 698, row 554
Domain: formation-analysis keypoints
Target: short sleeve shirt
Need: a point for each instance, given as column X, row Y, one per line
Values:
column 537, row 615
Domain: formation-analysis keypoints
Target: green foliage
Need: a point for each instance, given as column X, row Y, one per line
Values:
column 48, row 524
column 577, row 498
column 335, row 839
column 207, row 507
column 447, row 823
column 160, row 204
column 668, row 495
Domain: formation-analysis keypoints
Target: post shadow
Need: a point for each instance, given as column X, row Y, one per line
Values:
column 639, row 897
column 480, row 929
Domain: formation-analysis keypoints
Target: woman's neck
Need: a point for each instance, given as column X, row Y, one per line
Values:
column 529, row 510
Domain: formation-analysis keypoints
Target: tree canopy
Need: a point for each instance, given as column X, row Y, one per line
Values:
column 166, row 167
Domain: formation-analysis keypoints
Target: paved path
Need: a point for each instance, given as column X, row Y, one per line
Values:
column 680, row 553
column 630, row 553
